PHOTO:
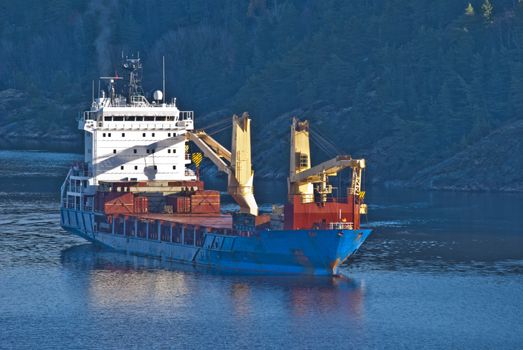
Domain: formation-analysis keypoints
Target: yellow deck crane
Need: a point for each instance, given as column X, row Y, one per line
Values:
column 303, row 177
column 235, row 163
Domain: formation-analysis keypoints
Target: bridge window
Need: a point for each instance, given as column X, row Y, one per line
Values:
column 160, row 118
column 149, row 119
column 139, row 119
column 108, row 119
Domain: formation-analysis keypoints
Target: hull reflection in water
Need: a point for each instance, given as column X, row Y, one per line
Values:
column 118, row 280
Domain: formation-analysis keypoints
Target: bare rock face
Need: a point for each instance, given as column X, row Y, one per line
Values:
column 494, row 163
column 11, row 99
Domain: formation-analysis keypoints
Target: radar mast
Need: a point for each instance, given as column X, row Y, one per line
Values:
column 134, row 85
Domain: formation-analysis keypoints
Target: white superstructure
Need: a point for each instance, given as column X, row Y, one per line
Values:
column 132, row 139
column 129, row 139
column 136, row 142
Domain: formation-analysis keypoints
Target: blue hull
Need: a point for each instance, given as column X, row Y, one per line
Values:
column 310, row 252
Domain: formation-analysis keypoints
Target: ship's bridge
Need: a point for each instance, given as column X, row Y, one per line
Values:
column 150, row 116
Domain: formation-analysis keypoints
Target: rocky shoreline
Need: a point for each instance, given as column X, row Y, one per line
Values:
column 494, row 163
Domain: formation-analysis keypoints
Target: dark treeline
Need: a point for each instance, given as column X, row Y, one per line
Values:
column 433, row 77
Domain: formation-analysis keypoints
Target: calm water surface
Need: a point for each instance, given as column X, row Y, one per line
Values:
column 442, row 270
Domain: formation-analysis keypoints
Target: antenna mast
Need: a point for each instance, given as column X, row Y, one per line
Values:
column 134, row 67
column 163, row 78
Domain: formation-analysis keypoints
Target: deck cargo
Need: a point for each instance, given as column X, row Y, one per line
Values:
column 141, row 205
column 205, row 202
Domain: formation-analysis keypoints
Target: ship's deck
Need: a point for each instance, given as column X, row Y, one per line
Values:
column 217, row 221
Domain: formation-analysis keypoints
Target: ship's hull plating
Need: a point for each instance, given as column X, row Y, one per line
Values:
column 312, row 252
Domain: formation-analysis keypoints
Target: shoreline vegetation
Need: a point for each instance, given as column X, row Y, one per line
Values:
column 429, row 92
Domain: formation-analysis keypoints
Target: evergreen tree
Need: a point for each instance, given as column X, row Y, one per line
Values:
column 429, row 72
column 469, row 11
column 487, row 10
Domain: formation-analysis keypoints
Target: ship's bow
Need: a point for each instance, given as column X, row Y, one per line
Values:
column 350, row 241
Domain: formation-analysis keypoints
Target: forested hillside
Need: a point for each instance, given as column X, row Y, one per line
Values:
column 407, row 84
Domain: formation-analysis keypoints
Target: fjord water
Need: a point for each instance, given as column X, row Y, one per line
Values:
column 441, row 270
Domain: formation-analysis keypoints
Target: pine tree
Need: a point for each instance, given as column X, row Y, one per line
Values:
column 469, row 11
column 487, row 10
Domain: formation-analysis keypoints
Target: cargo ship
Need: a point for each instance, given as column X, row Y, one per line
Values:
column 138, row 190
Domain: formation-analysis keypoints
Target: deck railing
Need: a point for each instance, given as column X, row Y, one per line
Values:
column 341, row 226
column 63, row 188
column 306, row 198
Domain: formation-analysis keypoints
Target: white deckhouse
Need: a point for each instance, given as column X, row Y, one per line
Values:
column 128, row 138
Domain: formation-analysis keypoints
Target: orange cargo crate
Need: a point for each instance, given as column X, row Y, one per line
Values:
column 118, row 208
column 206, row 208
column 115, row 202
column 141, row 205
column 205, row 202
column 183, row 205
column 180, row 204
